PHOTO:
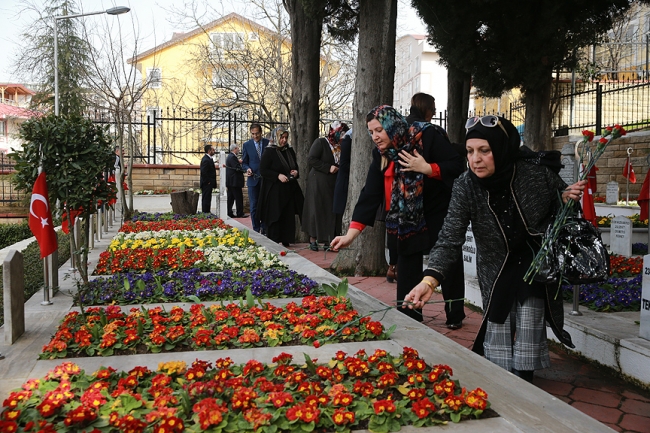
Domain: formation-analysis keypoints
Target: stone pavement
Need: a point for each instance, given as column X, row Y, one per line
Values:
column 593, row 390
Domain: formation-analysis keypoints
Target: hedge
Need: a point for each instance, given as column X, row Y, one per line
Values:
column 33, row 268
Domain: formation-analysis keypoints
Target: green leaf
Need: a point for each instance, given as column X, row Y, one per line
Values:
column 455, row 417
column 310, row 364
column 250, row 300
column 194, row 299
column 390, row 331
column 130, row 403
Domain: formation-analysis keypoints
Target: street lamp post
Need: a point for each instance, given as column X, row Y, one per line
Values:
column 112, row 11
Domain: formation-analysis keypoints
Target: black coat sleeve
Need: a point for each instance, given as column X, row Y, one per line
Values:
column 372, row 194
column 443, row 153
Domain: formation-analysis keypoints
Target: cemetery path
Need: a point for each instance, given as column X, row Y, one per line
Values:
column 593, row 390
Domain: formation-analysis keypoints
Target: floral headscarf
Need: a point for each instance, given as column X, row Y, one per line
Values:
column 334, row 137
column 405, row 218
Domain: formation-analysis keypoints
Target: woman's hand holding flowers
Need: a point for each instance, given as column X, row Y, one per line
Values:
column 415, row 162
column 421, row 293
column 574, row 192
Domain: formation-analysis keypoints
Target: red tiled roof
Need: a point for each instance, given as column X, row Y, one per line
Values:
column 7, row 111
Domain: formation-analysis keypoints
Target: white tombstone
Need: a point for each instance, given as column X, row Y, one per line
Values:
column 620, row 236
column 469, row 253
column 612, row 193
column 569, row 173
column 644, row 332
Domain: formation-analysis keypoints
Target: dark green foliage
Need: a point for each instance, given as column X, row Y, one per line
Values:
column 33, row 268
column 36, row 61
column 75, row 155
column 12, row 233
column 506, row 44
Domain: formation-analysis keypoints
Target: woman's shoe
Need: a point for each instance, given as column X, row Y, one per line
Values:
column 313, row 246
column 456, row 325
column 391, row 274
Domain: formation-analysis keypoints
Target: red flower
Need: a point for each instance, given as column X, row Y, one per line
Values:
column 381, row 406
column 342, row 416
column 283, row 253
column 588, row 134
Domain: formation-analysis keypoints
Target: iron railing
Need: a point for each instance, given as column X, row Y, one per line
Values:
column 8, row 193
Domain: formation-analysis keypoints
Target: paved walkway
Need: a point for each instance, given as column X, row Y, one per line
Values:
column 593, row 390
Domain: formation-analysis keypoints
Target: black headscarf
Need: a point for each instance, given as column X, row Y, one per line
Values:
column 505, row 150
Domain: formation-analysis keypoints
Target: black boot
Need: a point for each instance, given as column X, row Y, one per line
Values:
column 527, row 375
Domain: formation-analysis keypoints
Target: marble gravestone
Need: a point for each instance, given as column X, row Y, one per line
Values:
column 569, row 173
column 644, row 331
column 469, row 253
column 620, row 237
column 612, row 193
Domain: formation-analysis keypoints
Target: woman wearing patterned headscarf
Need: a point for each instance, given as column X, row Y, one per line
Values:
column 509, row 199
column 280, row 196
column 318, row 218
column 412, row 171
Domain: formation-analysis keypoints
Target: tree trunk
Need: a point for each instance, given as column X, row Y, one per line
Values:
column 184, row 202
column 305, row 77
column 374, row 86
column 458, row 87
column 537, row 130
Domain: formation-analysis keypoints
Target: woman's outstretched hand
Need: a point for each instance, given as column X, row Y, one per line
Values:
column 343, row 241
column 415, row 162
column 420, row 294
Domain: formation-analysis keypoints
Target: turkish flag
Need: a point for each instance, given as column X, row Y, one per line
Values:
column 40, row 218
column 644, row 198
column 588, row 207
column 628, row 171
column 73, row 217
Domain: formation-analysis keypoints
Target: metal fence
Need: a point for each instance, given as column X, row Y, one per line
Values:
column 178, row 135
column 8, row 193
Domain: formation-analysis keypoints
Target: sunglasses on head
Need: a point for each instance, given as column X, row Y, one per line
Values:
column 487, row 121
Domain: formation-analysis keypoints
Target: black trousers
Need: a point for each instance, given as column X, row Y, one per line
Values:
column 235, row 195
column 206, row 199
column 409, row 275
column 454, row 288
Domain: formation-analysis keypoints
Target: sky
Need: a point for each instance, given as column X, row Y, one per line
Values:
column 154, row 19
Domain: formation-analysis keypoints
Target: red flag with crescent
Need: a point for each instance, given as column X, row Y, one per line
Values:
column 40, row 218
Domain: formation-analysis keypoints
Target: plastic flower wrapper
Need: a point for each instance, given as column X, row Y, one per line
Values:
column 588, row 157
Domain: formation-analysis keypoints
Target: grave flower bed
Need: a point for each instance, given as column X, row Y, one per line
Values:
column 166, row 216
column 621, row 292
column 206, row 259
column 181, row 224
column 380, row 392
column 177, row 238
column 110, row 331
column 192, row 286
column 606, row 221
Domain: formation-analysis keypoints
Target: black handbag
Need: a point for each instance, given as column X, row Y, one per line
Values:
column 578, row 255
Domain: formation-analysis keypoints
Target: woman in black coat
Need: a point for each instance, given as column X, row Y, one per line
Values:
column 510, row 202
column 415, row 177
column 280, row 197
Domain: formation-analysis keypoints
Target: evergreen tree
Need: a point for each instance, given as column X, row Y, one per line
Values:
column 36, row 60
column 507, row 44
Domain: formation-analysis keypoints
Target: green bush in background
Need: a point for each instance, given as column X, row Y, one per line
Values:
column 33, row 267
column 13, row 233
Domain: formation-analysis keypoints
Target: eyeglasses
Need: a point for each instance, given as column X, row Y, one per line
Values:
column 487, row 121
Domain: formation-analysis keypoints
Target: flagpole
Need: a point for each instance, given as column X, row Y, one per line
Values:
column 46, row 273
column 627, row 178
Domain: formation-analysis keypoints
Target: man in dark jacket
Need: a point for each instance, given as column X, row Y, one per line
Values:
column 251, row 157
column 235, row 182
column 208, row 178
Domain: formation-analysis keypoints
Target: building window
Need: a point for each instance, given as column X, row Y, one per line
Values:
column 417, row 85
column 228, row 41
column 154, row 75
column 235, row 79
column 417, row 64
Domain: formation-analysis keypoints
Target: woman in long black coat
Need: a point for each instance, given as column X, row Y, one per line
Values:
column 280, row 197
column 319, row 220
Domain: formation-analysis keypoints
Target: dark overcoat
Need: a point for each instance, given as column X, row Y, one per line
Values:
column 318, row 220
